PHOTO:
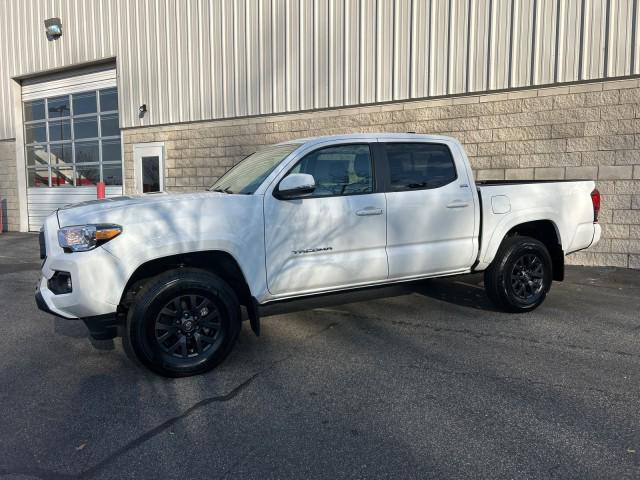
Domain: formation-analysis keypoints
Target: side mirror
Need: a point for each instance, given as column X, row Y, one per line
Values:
column 295, row 185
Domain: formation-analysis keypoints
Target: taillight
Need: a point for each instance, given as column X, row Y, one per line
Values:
column 595, row 200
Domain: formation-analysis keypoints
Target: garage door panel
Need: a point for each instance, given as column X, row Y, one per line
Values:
column 43, row 201
column 64, row 100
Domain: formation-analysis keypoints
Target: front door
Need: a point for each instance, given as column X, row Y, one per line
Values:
column 430, row 206
column 334, row 237
column 149, row 167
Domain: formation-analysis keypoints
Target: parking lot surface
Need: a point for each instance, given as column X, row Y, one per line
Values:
column 415, row 381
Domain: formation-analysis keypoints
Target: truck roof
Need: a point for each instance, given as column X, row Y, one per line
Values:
column 371, row 136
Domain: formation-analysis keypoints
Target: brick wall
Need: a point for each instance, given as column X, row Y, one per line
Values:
column 580, row 131
column 8, row 185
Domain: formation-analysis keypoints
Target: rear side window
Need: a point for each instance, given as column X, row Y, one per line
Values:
column 415, row 166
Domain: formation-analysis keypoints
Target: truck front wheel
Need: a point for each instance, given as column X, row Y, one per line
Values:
column 183, row 322
column 520, row 275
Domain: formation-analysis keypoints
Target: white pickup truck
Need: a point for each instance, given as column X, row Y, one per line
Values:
column 169, row 272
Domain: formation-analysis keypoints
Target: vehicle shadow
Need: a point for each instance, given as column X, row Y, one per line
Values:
column 465, row 291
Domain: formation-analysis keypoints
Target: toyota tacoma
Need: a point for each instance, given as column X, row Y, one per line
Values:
column 170, row 272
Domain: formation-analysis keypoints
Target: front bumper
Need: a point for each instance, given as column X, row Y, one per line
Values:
column 98, row 279
column 101, row 327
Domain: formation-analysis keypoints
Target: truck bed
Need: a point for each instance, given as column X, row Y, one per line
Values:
column 507, row 203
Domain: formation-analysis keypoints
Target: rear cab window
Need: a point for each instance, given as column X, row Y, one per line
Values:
column 419, row 166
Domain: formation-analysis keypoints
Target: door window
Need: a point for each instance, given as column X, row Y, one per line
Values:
column 150, row 174
column 414, row 166
column 339, row 170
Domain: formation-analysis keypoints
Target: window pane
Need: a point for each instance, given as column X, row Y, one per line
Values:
column 150, row 174
column 110, row 125
column 34, row 110
column 419, row 165
column 340, row 170
column 112, row 174
column 249, row 174
column 87, row 175
column 35, row 133
column 85, row 127
column 62, row 177
column 37, row 156
column 108, row 100
column 87, row 152
column 59, row 107
column 61, row 154
column 59, row 130
column 37, row 178
column 111, row 151
column 84, row 103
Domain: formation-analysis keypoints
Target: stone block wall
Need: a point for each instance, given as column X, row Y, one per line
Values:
column 578, row 131
column 9, row 186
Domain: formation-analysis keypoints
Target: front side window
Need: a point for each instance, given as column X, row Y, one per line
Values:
column 339, row 170
column 73, row 140
column 415, row 166
column 248, row 175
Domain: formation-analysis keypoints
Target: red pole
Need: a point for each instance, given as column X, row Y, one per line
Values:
column 101, row 190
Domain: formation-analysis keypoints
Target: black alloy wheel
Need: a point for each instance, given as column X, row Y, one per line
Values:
column 527, row 277
column 182, row 322
column 520, row 275
column 188, row 326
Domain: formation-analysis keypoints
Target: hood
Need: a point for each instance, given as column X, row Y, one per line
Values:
column 130, row 208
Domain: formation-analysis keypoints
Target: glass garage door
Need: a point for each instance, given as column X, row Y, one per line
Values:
column 72, row 142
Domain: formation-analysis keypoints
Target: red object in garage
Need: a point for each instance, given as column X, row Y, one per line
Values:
column 101, row 190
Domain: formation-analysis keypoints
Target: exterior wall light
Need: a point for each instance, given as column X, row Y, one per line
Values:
column 53, row 28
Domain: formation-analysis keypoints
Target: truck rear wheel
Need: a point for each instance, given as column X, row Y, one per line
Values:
column 183, row 322
column 520, row 275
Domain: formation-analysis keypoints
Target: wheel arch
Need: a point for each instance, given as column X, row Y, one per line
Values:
column 219, row 262
column 545, row 231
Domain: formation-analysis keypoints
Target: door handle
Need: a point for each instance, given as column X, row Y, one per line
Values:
column 458, row 204
column 369, row 211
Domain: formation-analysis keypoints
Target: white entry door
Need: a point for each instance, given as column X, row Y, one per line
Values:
column 149, row 167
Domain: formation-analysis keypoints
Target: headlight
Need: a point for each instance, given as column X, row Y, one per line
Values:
column 81, row 238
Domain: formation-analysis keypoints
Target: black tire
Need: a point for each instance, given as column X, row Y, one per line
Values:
column 520, row 275
column 183, row 322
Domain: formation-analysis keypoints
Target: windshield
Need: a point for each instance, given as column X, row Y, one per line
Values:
column 249, row 174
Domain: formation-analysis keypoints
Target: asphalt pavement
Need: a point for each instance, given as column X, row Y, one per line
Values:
column 423, row 380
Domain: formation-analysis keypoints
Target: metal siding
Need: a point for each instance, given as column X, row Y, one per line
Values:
column 253, row 62
column 368, row 64
column 459, row 22
column 352, row 52
column 438, row 47
column 569, row 35
column 594, row 43
column 384, row 51
column 619, row 42
column 522, row 28
column 292, row 41
column 192, row 60
column 420, row 48
column 402, row 50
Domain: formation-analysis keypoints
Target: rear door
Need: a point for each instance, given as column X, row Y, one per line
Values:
column 430, row 210
column 334, row 237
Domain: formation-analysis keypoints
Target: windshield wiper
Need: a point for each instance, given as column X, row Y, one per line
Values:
column 223, row 190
